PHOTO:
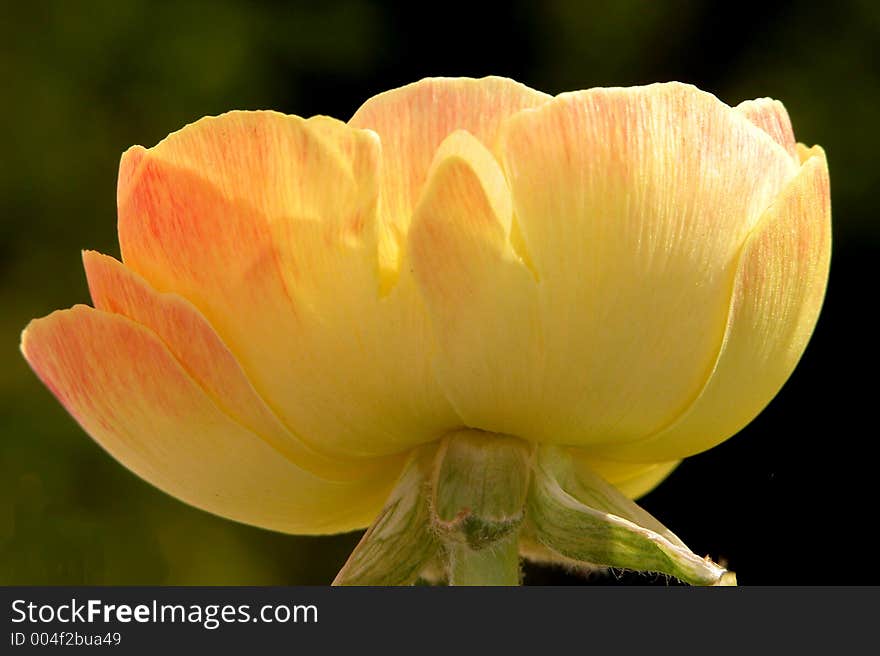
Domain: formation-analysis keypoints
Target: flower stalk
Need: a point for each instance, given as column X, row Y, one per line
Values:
column 479, row 490
column 497, row 564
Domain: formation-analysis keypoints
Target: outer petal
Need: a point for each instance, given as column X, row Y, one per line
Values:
column 192, row 340
column 634, row 204
column 780, row 284
column 266, row 223
column 645, row 481
column 413, row 120
column 128, row 392
column 632, row 479
column 770, row 116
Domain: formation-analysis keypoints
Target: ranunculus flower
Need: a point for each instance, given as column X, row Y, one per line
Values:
column 629, row 273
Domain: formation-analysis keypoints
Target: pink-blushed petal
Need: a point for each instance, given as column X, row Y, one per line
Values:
column 266, row 223
column 633, row 206
column 778, row 291
column 199, row 350
column 770, row 115
column 272, row 162
column 481, row 298
column 413, row 120
column 131, row 395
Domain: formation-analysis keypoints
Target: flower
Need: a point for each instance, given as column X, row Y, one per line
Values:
column 629, row 273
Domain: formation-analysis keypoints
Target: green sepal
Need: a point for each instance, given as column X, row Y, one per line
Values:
column 400, row 543
column 581, row 517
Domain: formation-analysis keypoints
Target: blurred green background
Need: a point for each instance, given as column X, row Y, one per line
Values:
column 789, row 500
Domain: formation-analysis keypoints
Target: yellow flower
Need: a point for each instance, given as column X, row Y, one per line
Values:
column 630, row 273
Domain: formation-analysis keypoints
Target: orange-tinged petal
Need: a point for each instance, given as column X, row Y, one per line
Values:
column 481, row 297
column 131, row 395
column 266, row 223
column 770, row 115
column 199, row 350
column 240, row 153
column 633, row 205
column 779, row 288
column 413, row 120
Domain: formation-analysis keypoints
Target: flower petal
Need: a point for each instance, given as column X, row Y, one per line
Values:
column 413, row 120
column 266, row 223
column 481, row 297
column 632, row 479
column 770, row 115
column 192, row 340
column 779, row 288
column 645, row 481
column 130, row 394
column 633, row 204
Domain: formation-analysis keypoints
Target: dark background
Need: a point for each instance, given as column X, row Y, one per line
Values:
column 790, row 500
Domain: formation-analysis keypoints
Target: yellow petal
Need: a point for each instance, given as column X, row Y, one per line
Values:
column 266, row 223
column 413, row 120
column 645, row 481
column 129, row 393
column 633, row 204
column 197, row 347
column 632, row 479
column 481, row 297
column 770, row 116
column 780, row 284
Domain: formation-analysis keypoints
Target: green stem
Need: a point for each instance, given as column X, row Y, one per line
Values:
column 494, row 564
